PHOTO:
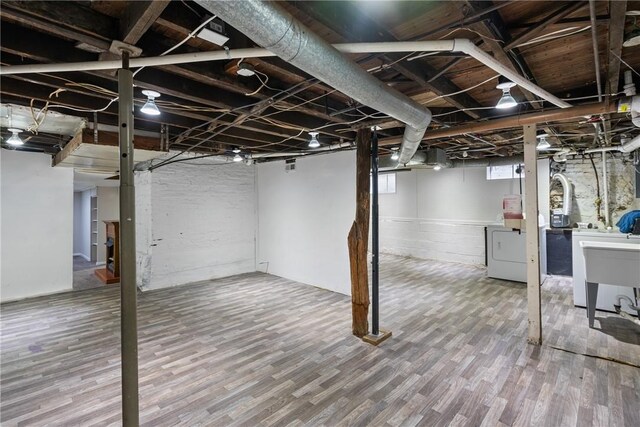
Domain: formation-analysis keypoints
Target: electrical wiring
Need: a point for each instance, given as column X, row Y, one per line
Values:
column 473, row 31
column 463, row 109
column 624, row 62
column 554, row 35
column 463, row 90
column 183, row 41
column 385, row 66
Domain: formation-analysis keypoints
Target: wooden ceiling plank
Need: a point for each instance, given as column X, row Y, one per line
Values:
column 45, row 26
column 139, row 17
column 418, row 70
column 73, row 16
column 618, row 11
column 535, row 30
column 15, row 41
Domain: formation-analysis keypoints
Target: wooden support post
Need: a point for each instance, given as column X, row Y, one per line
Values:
column 533, row 244
column 358, row 239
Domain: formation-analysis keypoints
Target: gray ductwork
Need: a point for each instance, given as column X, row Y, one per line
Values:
column 272, row 27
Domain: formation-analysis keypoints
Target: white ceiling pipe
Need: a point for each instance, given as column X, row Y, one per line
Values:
column 628, row 147
column 457, row 45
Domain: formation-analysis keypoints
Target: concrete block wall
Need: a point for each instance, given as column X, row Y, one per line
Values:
column 196, row 221
column 580, row 172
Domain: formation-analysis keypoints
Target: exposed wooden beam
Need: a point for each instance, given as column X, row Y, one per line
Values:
column 600, row 19
column 15, row 41
column 515, row 121
column 44, row 26
column 138, row 17
column 195, row 72
column 536, row 30
column 618, row 11
column 340, row 16
column 358, row 238
column 72, row 16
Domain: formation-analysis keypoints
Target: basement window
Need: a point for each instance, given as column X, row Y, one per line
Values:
column 504, row 172
column 387, row 183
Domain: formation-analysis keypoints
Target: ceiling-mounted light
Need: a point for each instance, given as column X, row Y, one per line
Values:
column 237, row 158
column 14, row 139
column 214, row 32
column 245, row 69
column 543, row 144
column 236, row 150
column 395, row 156
column 437, row 167
column 506, row 100
column 150, row 107
column 313, row 142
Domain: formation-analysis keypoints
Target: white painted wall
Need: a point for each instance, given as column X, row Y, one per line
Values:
column 77, row 222
column 36, row 224
column 442, row 214
column 304, row 218
column 196, row 221
column 108, row 210
column 82, row 224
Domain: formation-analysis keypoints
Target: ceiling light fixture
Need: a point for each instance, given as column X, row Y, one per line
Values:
column 14, row 139
column 543, row 144
column 214, row 32
column 506, row 100
column 236, row 150
column 150, row 106
column 437, row 167
column 313, row 142
column 245, row 69
column 395, row 156
column 237, row 158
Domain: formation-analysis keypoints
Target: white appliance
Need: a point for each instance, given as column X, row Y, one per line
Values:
column 507, row 254
column 606, row 293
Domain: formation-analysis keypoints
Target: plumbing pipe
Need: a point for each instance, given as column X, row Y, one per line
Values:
column 605, row 186
column 457, row 45
column 596, row 54
column 618, row 308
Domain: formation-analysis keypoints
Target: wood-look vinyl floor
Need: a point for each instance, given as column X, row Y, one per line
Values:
column 256, row 349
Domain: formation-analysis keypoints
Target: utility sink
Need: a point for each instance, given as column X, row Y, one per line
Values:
column 612, row 263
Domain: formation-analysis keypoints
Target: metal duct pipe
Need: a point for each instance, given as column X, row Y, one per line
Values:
column 271, row 26
column 567, row 192
column 481, row 163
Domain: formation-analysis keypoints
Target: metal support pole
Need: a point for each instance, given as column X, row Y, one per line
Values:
column 375, row 312
column 128, row 289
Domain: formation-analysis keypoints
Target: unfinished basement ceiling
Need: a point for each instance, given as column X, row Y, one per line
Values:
column 210, row 109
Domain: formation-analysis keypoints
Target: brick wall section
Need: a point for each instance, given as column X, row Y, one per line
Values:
column 621, row 187
column 196, row 221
